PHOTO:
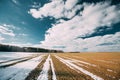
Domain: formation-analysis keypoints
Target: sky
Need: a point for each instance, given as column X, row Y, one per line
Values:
column 68, row 25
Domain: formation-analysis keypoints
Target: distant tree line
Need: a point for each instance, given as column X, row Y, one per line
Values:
column 9, row 48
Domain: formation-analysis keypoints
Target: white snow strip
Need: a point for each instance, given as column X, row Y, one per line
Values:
column 109, row 70
column 69, row 64
column 53, row 70
column 20, row 70
column 83, row 62
column 10, row 62
column 106, row 61
column 87, row 63
column 5, row 56
column 44, row 73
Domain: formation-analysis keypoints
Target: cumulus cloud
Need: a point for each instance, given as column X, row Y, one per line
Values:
column 15, row 2
column 23, row 34
column 6, row 30
column 35, row 5
column 103, row 43
column 67, row 35
column 57, row 9
column 98, row 43
column 19, row 44
column 1, row 38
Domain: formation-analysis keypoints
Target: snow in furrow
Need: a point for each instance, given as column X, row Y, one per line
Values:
column 4, row 56
column 70, row 64
column 44, row 73
column 83, row 62
column 53, row 70
column 21, row 70
column 106, row 61
column 10, row 62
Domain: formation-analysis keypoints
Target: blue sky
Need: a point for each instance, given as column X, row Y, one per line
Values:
column 69, row 25
column 26, row 28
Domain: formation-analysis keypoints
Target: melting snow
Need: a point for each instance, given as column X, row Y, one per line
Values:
column 10, row 62
column 20, row 70
column 106, row 61
column 44, row 73
column 53, row 70
column 109, row 70
column 5, row 56
column 69, row 64
column 83, row 62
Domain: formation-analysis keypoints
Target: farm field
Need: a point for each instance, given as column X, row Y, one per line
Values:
column 60, row 66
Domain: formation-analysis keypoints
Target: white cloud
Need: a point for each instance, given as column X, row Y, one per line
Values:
column 23, row 34
column 57, row 9
column 6, row 29
column 98, row 43
column 70, row 4
column 65, row 33
column 103, row 43
column 36, row 5
column 15, row 1
column 19, row 44
column 1, row 38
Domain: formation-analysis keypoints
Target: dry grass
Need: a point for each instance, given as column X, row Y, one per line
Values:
column 50, row 73
column 63, row 72
column 107, row 65
column 33, row 75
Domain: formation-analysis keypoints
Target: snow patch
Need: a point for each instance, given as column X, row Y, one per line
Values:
column 106, row 61
column 69, row 64
column 53, row 70
column 6, row 56
column 44, row 73
column 10, row 62
column 20, row 70
column 109, row 70
column 83, row 62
